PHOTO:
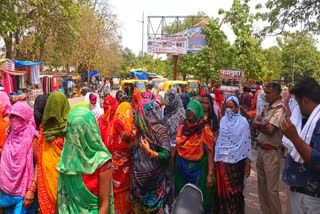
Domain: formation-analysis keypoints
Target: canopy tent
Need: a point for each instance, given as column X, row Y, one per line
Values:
column 92, row 74
column 139, row 75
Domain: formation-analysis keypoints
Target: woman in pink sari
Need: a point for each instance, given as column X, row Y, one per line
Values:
column 18, row 180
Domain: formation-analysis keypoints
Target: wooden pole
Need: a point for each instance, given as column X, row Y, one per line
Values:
column 175, row 66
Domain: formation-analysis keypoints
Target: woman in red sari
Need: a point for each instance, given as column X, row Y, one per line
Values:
column 121, row 139
column 110, row 105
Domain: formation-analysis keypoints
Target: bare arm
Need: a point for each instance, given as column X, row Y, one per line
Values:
column 210, row 169
column 104, row 188
column 29, row 197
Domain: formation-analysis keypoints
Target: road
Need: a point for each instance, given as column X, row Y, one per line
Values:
column 251, row 187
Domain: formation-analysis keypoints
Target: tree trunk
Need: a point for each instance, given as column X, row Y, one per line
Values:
column 9, row 43
column 17, row 42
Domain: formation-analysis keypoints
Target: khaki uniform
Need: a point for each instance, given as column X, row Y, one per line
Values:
column 268, row 160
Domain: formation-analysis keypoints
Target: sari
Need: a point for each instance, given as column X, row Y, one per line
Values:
column 50, row 145
column 232, row 148
column 193, row 139
column 174, row 114
column 4, row 123
column 16, row 165
column 121, row 136
column 95, row 108
column 212, row 117
column 83, row 154
column 110, row 105
column 148, row 180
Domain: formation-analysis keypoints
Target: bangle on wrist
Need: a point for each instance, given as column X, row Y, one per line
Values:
column 210, row 172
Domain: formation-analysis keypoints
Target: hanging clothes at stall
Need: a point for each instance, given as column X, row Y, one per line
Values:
column 8, row 84
column 35, row 74
column 48, row 84
column 45, row 85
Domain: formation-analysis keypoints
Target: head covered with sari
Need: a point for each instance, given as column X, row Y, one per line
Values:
column 83, row 150
column 196, row 107
column 39, row 106
column 212, row 117
column 16, row 165
column 55, row 116
column 94, row 101
column 234, row 141
column 110, row 105
column 172, row 100
column 124, row 112
column 121, row 96
column 174, row 113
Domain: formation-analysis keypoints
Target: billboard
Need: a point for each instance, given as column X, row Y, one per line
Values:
column 186, row 42
column 196, row 40
column 167, row 45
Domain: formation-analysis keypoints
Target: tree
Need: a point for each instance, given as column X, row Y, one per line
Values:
column 300, row 56
column 273, row 65
column 15, row 19
column 181, row 25
column 249, row 55
column 291, row 13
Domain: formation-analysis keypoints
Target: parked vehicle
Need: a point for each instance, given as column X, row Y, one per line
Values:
column 188, row 201
column 174, row 84
column 133, row 83
column 193, row 87
column 231, row 81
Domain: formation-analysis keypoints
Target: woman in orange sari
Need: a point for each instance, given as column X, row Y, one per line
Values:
column 119, row 144
column 4, row 120
column 51, row 143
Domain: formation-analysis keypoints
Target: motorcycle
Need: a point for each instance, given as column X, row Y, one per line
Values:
column 189, row 193
column 104, row 92
column 85, row 90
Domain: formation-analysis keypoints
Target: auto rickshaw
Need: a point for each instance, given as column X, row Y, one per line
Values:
column 156, row 81
column 129, row 85
column 193, row 87
column 174, row 84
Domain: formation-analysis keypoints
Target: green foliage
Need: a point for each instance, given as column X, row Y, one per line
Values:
column 273, row 64
column 291, row 13
column 300, row 56
column 248, row 51
column 181, row 25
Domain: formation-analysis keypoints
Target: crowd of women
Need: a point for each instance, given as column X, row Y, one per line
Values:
column 122, row 158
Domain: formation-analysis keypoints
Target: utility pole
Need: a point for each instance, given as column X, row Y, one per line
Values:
column 294, row 61
column 142, row 38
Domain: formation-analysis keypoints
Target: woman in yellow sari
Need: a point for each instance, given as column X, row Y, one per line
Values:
column 51, row 143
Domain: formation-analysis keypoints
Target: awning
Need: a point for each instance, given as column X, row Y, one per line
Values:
column 26, row 63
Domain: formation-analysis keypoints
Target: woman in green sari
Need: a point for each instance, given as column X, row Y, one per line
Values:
column 194, row 154
column 85, row 173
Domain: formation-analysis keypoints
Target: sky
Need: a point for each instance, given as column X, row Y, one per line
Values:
column 129, row 13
